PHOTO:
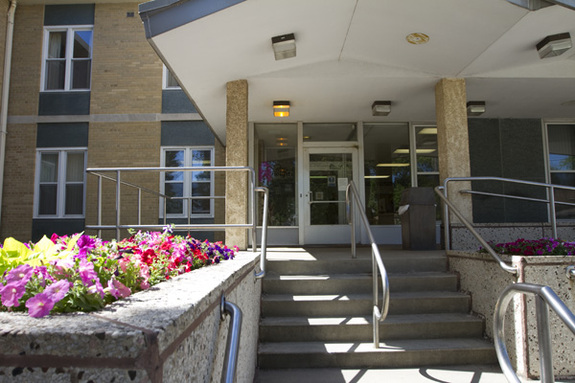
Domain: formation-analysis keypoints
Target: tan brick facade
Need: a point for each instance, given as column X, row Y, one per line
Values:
column 128, row 78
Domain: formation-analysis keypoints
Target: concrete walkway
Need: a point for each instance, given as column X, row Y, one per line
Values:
column 437, row 374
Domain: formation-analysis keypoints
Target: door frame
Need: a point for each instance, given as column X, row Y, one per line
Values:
column 325, row 234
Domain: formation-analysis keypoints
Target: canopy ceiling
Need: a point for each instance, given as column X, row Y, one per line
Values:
column 353, row 52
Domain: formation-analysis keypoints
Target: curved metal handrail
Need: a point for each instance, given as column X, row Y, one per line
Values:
column 439, row 190
column 379, row 315
column 233, row 344
column 545, row 297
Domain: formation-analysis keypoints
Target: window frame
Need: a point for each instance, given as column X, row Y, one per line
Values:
column 70, row 30
column 165, row 76
column 60, row 183
column 187, row 180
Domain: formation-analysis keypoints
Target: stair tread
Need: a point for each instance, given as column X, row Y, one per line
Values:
column 365, row 320
column 399, row 345
column 327, row 276
column 359, row 296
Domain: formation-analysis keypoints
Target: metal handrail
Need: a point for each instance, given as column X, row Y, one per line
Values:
column 351, row 199
column 550, row 201
column 440, row 190
column 99, row 172
column 233, row 343
column 545, row 297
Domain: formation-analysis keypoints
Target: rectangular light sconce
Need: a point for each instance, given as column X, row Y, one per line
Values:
column 418, row 151
column 380, row 108
column 284, row 46
column 475, row 108
column 554, row 45
column 376, row 176
column 428, row 131
column 281, row 108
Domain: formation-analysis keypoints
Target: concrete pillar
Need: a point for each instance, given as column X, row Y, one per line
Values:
column 453, row 140
column 237, row 155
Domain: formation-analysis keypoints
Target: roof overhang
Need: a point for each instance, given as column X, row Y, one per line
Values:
column 351, row 53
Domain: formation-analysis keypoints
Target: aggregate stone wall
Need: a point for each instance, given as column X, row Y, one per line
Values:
column 170, row 333
column 482, row 277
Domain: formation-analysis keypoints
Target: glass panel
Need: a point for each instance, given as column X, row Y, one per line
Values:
column 275, row 153
column 49, row 167
column 174, row 206
column 200, row 206
column 567, row 179
column 82, row 44
column 75, row 167
column 57, row 45
column 201, row 189
column 81, row 74
column 329, row 132
column 55, row 74
column 386, row 170
column 426, row 152
column 326, row 172
column 201, row 158
column 171, row 81
column 561, row 147
column 47, row 200
column 174, row 158
column 74, row 199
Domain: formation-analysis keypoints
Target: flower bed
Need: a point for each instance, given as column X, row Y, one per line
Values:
column 543, row 246
column 83, row 273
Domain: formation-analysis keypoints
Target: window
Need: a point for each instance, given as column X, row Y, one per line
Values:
column 170, row 81
column 60, row 183
column 561, row 138
column 187, row 186
column 67, row 58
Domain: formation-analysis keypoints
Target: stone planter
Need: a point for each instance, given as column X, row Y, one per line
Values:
column 169, row 333
column 482, row 277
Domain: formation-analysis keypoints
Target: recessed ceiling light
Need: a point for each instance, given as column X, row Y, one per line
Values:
column 417, row 38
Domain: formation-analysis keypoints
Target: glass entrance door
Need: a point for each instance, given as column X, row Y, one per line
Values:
column 327, row 172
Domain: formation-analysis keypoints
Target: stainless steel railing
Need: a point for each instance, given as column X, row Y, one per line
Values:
column 379, row 315
column 550, row 200
column 233, row 343
column 103, row 174
column 442, row 193
column 545, row 298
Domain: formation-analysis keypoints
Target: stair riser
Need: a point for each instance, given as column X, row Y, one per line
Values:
column 400, row 359
column 363, row 333
column 392, row 265
column 359, row 285
column 363, row 307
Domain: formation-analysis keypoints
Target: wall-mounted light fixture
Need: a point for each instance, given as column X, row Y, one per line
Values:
column 284, row 46
column 475, row 108
column 381, row 108
column 281, row 108
column 554, row 45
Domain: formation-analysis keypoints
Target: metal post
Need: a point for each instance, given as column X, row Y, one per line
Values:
column 118, row 186
column 233, row 344
column 553, row 215
column 544, row 337
column 139, row 206
column 262, row 272
column 352, row 223
column 254, row 208
column 99, row 205
column 446, row 218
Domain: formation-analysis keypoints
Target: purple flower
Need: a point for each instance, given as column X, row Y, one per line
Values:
column 85, row 244
column 11, row 293
column 118, row 289
column 57, row 291
column 20, row 275
column 39, row 305
column 87, row 273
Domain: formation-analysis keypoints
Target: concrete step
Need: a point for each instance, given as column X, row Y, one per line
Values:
column 390, row 354
column 351, row 329
column 278, row 305
column 357, row 283
column 424, row 262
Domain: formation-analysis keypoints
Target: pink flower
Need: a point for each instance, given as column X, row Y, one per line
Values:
column 39, row 305
column 20, row 275
column 118, row 289
column 57, row 291
column 11, row 293
column 87, row 273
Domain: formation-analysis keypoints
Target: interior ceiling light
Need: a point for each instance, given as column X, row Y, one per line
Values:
column 284, row 46
column 428, row 131
column 418, row 151
column 391, row 165
column 281, row 108
column 381, row 108
column 376, row 176
column 475, row 108
column 417, row 38
column 554, row 45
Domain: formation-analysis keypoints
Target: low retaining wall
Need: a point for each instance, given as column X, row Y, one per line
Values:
column 482, row 277
column 169, row 333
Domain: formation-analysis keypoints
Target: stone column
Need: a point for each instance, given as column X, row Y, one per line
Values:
column 453, row 140
column 237, row 155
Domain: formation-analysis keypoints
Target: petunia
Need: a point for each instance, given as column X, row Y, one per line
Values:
column 118, row 289
column 20, row 275
column 39, row 305
column 57, row 291
column 11, row 293
column 87, row 273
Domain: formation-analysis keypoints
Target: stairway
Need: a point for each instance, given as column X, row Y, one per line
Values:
column 317, row 303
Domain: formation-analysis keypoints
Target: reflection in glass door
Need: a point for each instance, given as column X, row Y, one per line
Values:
column 327, row 172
